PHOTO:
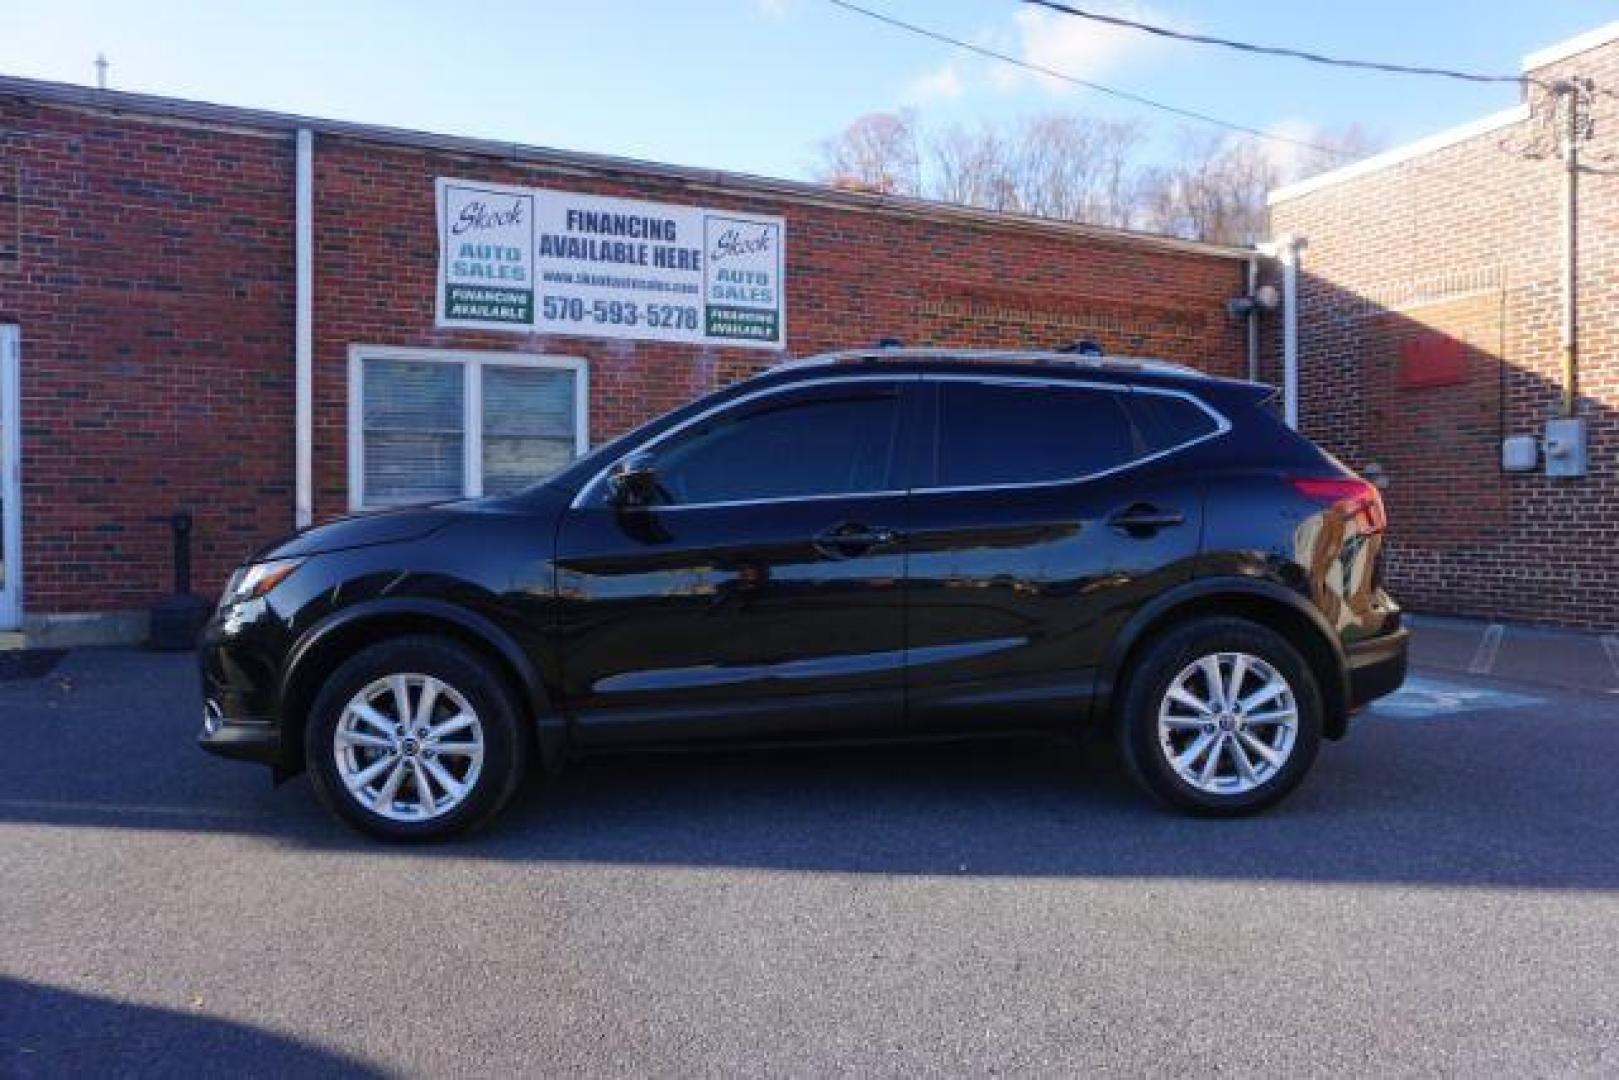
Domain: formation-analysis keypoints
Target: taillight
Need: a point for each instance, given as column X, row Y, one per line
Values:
column 1349, row 495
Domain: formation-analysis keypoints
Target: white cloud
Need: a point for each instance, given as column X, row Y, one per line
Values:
column 941, row 84
column 1061, row 43
column 771, row 9
column 1077, row 47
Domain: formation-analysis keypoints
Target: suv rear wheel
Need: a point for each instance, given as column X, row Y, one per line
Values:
column 415, row 739
column 1220, row 717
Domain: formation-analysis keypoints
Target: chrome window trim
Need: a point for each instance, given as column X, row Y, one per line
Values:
column 1223, row 426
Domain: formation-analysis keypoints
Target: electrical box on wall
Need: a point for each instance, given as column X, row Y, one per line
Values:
column 1565, row 446
column 1519, row 453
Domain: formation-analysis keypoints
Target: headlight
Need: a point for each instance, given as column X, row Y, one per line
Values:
column 252, row 582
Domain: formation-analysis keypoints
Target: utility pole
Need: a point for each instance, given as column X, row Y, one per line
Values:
column 1574, row 98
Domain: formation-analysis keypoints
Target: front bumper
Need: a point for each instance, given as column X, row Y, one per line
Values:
column 243, row 740
column 240, row 655
column 1377, row 666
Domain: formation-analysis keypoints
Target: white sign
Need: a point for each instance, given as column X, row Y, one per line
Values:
column 531, row 259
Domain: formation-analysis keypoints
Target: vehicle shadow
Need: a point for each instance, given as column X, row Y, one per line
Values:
column 1451, row 799
column 1399, row 805
column 54, row 1032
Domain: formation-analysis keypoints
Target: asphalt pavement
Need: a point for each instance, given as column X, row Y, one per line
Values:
column 1442, row 896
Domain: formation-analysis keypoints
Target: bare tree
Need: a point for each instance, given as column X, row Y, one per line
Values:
column 1082, row 168
column 971, row 167
column 876, row 153
column 1216, row 190
column 1332, row 147
column 1075, row 168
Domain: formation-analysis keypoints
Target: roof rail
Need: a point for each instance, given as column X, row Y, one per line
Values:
column 1018, row 356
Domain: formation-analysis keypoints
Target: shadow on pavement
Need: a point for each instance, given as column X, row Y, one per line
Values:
column 54, row 1032
column 1518, row 797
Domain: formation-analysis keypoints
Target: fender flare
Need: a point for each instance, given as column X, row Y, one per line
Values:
column 550, row 729
column 1189, row 592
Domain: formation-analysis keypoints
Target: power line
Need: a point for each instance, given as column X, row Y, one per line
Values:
column 1276, row 50
column 1124, row 95
column 1518, row 197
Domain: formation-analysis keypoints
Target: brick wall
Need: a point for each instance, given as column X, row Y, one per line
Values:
column 1463, row 243
column 153, row 284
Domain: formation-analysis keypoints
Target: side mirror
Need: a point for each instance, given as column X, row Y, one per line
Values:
column 633, row 482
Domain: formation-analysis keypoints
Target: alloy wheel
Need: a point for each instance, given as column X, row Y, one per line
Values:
column 1228, row 723
column 409, row 747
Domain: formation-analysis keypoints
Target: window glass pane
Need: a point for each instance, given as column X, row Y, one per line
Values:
column 1167, row 421
column 412, row 431
column 996, row 434
column 825, row 446
column 528, row 426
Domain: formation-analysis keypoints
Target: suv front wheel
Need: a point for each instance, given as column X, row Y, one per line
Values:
column 1220, row 716
column 415, row 739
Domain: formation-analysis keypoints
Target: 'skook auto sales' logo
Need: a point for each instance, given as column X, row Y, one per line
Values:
column 488, row 278
column 743, row 292
column 744, row 284
column 475, row 215
column 743, row 264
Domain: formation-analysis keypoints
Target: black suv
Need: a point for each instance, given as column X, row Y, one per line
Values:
column 887, row 543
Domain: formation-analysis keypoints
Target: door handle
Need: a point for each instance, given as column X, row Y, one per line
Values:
column 849, row 539
column 1143, row 519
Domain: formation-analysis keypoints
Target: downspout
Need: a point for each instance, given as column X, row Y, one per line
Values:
column 1288, row 248
column 1253, row 320
column 303, row 335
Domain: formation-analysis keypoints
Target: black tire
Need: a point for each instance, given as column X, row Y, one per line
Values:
column 1153, row 672
column 505, row 745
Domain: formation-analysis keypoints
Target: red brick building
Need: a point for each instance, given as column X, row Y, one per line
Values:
column 172, row 340
column 1430, row 312
column 163, row 316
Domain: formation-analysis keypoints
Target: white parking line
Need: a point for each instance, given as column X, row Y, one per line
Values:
column 1489, row 645
column 1610, row 644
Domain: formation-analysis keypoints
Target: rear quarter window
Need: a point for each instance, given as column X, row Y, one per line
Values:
column 1167, row 421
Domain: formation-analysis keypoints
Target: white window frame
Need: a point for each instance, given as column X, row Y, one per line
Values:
column 472, row 362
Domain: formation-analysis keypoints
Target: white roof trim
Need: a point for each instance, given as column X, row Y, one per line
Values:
column 1591, row 39
column 1388, row 158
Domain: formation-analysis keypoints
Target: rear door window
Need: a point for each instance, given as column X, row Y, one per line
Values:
column 1000, row 433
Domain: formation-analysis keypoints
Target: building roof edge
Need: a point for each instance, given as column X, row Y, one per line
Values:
column 180, row 109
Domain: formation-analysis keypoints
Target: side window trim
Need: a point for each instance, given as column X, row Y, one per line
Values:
column 936, row 429
column 591, row 493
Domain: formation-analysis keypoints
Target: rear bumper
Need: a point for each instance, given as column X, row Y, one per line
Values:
column 1377, row 666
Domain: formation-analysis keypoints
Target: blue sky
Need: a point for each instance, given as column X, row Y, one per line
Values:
column 753, row 85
